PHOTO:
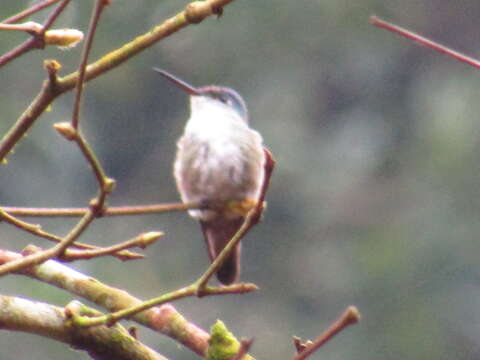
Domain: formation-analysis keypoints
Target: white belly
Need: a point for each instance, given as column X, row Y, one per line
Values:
column 223, row 164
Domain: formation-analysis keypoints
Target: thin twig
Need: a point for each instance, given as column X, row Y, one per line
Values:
column 252, row 218
column 199, row 287
column 349, row 317
column 269, row 166
column 54, row 15
column 37, row 230
column 42, row 256
column 142, row 241
column 104, row 64
column 108, row 211
column 97, row 11
column 30, row 27
column 201, row 283
column 188, row 291
column 32, row 10
column 105, row 184
column 424, row 41
column 37, row 39
column 34, row 229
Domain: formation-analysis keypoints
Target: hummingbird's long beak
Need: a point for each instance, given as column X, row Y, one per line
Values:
column 189, row 89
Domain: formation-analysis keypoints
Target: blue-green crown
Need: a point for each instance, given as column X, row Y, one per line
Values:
column 228, row 97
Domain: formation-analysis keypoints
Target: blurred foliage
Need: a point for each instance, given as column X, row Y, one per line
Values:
column 373, row 203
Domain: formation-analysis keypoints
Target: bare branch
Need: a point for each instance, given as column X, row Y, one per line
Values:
column 105, row 184
column 199, row 288
column 142, row 241
column 51, row 321
column 37, row 39
column 36, row 229
column 192, row 290
column 201, row 283
column 48, row 92
column 32, row 10
column 164, row 319
column 97, row 11
column 29, row 27
column 42, row 256
column 54, row 15
column 107, row 211
column 424, row 41
column 349, row 317
column 252, row 218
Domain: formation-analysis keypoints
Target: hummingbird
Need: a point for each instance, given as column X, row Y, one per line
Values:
column 219, row 160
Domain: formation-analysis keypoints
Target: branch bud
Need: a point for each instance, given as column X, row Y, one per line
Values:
column 63, row 38
column 149, row 238
column 109, row 185
column 66, row 130
column 52, row 66
column 197, row 11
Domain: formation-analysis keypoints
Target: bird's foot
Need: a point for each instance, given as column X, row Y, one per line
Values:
column 240, row 208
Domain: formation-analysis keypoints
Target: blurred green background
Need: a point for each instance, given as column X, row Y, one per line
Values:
column 373, row 202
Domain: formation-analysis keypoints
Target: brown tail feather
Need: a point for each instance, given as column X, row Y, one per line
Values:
column 217, row 233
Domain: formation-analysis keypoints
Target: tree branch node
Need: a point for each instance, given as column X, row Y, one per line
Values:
column 197, row 11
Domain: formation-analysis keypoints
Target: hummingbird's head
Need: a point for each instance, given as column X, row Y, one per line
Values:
column 213, row 95
column 227, row 97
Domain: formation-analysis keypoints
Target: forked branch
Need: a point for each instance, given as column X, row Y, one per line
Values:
column 101, row 343
column 194, row 13
column 304, row 350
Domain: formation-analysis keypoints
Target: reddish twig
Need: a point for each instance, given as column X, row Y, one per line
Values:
column 142, row 241
column 424, row 41
column 54, row 15
column 252, row 218
column 108, row 211
column 199, row 287
column 42, row 256
column 37, row 230
column 29, row 27
column 105, row 184
column 192, row 14
column 95, row 208
column 32, row 10
column 349, row 317
column 34, row 229
column 269, row 166
column 37, row 40
column 97, row 11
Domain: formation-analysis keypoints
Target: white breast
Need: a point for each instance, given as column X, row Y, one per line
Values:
column 219, row 157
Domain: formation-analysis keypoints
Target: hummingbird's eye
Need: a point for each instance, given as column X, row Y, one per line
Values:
column 223, row 99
